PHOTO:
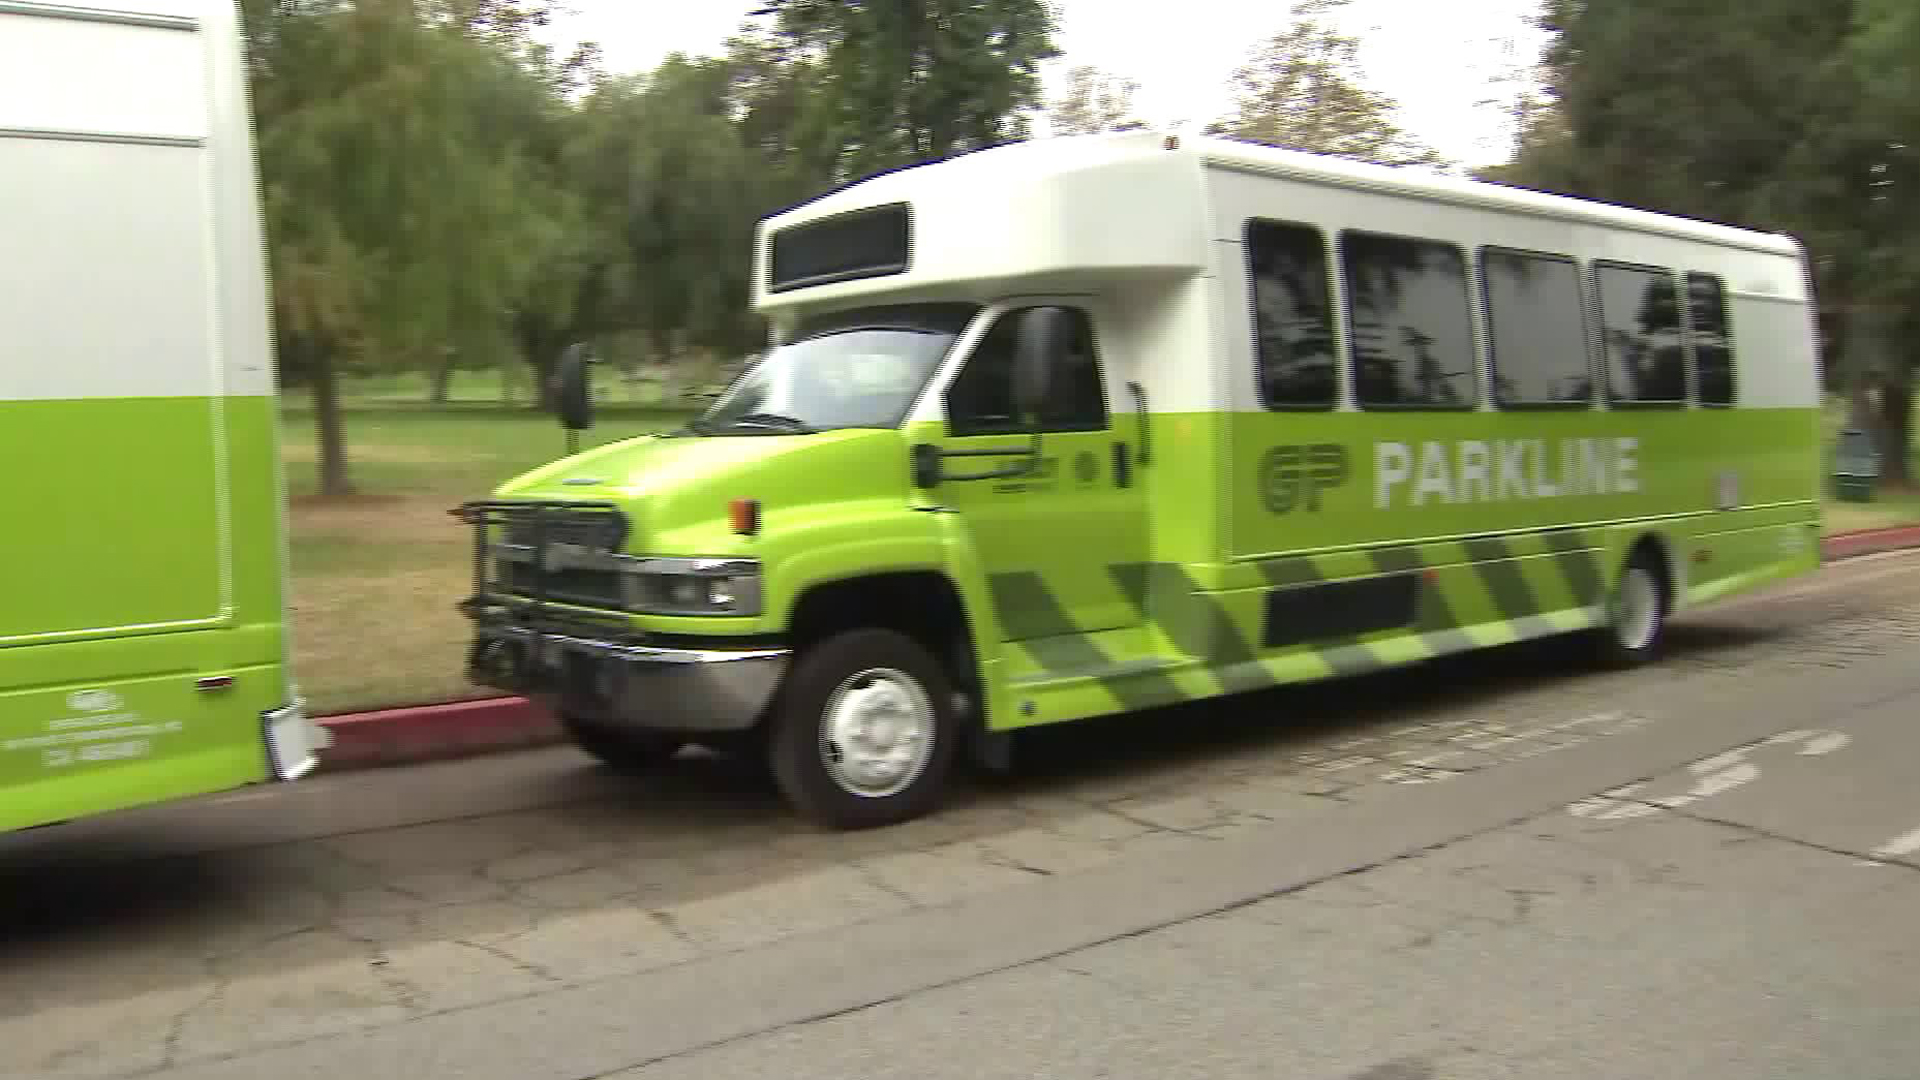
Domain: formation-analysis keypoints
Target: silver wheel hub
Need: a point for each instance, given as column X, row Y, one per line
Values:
column 1637, row 616
column 876, row 734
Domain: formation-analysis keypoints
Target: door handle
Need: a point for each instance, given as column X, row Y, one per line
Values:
column 1122, row 467
column 1140, row 410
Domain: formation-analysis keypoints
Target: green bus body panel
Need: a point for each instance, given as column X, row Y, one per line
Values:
column 151, row 553
column 1489, row 571
column 162, row 741
column 1085, row 597
column 1285, row 497
column 1039, row 534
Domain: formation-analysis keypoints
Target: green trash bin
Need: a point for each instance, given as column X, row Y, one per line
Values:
column 1856, row 466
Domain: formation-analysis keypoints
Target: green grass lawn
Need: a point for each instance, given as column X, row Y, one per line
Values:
column 491, row 388
column 376, row 577
column 1890, row 507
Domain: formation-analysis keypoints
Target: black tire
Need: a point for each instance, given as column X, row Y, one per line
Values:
column 798, row 750
column 1623, row 640
column 624, row 751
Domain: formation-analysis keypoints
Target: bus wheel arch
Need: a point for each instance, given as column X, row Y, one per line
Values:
column 924, row 605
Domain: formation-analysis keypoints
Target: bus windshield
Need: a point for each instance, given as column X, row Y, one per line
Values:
column 853, row 369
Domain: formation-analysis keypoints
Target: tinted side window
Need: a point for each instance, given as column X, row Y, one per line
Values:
column 980, row 400
column 1640, row 325
column 1292, row 315
column 1711, row 337
column 1409, row 321
column 1537, row 328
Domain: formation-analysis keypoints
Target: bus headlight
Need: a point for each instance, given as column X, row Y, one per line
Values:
column 694, row 587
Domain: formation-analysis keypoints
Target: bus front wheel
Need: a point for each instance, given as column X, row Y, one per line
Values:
column 865, row 731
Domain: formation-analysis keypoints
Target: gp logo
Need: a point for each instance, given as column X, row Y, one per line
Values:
column 1705, row 779
column 1293, row 477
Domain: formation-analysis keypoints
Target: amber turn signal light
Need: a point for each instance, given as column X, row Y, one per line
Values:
column 746, row 516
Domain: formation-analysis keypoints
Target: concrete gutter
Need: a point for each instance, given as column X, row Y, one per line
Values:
column 414, row 733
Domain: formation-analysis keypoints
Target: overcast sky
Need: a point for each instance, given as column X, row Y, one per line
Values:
column 1433, row 56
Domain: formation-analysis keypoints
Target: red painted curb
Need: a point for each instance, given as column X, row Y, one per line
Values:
column 410, row 734
column 1869, row 542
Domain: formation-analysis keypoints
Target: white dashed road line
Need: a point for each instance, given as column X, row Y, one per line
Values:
column 1904, row 844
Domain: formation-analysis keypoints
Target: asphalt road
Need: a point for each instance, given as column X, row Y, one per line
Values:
column 1746, row 933
column 1485, row 867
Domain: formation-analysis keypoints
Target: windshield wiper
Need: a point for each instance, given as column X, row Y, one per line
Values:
column 699, row 425
column 776, row 421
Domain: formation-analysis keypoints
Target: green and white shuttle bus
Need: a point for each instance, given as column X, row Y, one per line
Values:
column 143, row 650
column 1082, row 426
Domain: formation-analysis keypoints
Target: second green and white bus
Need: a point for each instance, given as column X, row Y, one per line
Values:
column 1084, row 426
column 143, row 643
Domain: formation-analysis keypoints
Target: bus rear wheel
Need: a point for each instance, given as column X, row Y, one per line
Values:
column 1636, row 614
column 865, row 731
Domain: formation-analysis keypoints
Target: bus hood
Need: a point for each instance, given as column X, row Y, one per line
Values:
column 670, row 484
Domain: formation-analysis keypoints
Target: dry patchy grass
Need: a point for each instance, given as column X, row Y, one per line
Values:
column 376, row 577
column 1891, row 506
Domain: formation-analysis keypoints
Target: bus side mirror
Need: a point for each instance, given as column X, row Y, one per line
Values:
column 572, row 397
column 1039, row 341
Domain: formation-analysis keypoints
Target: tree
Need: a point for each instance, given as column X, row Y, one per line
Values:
column 1526, row 95
column 906, row 81
column 1302, row 90
column 508, row 27
column 1641, row 129
column 669, row 189
column 770, row 93
column 1811, row 130
column 1881, row 201
column 1094, row 102
column 404, row 213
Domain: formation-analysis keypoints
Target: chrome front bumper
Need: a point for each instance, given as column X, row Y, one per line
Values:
column 626, row 685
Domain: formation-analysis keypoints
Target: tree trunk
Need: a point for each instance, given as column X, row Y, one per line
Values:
column 546, row 393
column 1881, row 390
column 442, row 381
column 326, row 411
column 1895, row 429
column 542, row 353
column 1860, row 405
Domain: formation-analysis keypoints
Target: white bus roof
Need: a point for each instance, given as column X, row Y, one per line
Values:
column 1419, row 184
column 1135, row 203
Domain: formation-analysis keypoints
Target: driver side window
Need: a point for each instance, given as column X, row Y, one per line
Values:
column 980, row 401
